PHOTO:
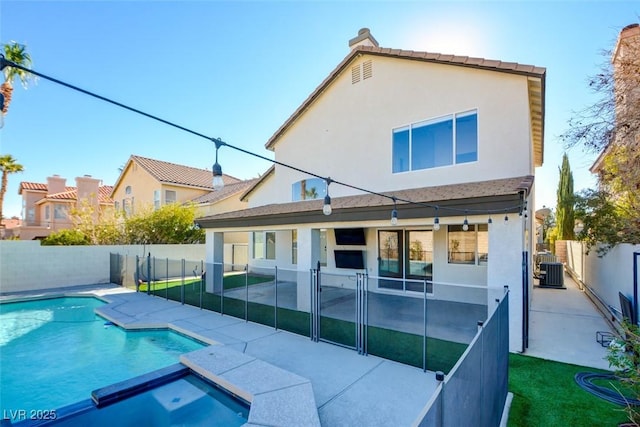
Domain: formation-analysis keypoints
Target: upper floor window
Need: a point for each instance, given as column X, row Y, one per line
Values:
column 127, row 190
column 444, row 141
column 308, row 189
column 169, row 197
column 156, row 199
column 47, row 212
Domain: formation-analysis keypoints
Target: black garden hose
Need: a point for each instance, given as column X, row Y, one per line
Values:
column 584, row 380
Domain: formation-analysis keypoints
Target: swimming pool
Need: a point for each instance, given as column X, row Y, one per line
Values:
column 56, row 351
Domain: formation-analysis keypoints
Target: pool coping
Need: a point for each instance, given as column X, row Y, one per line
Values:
column 276, row 396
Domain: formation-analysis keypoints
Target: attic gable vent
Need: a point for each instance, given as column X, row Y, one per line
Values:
column 361, row 71
column 367, row 69
column 355, row 74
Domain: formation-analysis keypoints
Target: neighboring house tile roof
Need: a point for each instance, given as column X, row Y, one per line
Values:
column 226, row 192
column 36, row 186
column 172, row 173
column 71, row 194
column 536, row 89
column 258, row 182
column 488, row 194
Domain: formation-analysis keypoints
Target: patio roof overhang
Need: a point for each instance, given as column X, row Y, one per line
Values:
column 478, row 198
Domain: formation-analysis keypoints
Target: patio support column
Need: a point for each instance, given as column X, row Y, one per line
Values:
column 505, row 269
column 308, row 256
column 215, row 261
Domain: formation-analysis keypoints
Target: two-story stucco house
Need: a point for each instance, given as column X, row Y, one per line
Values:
column 45, row 206
column 429, row 163
column 150, row 183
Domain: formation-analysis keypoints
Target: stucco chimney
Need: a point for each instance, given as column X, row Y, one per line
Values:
column 56, row 184
column 364, row 38
column 629, row 35
column 88, row 188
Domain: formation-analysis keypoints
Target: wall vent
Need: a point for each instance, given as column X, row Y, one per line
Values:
column 361, row 71
column 355, row 74
column 367, row 69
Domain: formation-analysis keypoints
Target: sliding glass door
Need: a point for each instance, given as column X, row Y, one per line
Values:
column 406, row 258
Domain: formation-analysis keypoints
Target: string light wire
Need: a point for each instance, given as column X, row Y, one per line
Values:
column 220, row 143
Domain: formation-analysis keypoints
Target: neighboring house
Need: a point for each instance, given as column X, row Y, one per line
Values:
column 459, row 137
column 45, row 207
column 149, row 183
column 9, row 227
column 626, row 62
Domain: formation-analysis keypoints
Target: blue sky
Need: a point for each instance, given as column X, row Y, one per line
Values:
column 237, row 70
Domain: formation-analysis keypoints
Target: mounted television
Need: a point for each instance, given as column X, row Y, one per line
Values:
column 349, row 259
column 350, row 236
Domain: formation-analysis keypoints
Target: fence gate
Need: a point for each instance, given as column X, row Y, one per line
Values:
column 339, row 309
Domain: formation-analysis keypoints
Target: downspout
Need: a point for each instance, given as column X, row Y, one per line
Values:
column 525, row 272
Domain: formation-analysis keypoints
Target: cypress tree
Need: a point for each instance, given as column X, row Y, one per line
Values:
column 565, row 215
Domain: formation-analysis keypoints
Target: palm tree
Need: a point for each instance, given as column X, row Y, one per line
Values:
column 7, row 165
column 16, row 53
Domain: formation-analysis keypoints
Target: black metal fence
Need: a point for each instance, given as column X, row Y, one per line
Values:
column 474, row 392
column 417, row 322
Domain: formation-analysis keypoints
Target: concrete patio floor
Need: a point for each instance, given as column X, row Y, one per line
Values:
column 563, row 326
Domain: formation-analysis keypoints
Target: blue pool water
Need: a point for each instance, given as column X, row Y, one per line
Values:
column 54, row 352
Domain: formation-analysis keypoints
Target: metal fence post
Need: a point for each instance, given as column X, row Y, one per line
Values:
column 246, row 294
column 275, row 305
column 221, row 289
column 166, row 281
column 137, row 275
column 182, row 282
column 424, row 321
column 149, row 273
column 201, row 282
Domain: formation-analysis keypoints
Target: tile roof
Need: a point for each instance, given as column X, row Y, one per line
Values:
column 172, row 173
column 226, row 192
column 258, row 182
column 37, row 186
column 463, row 61
column 71, row 194
column 445, row 195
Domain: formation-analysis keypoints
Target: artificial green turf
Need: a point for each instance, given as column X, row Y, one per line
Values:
column 393, row 345
column 546, row 394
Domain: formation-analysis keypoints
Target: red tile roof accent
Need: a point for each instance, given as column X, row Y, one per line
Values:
column 173, row 173
column 37, row 186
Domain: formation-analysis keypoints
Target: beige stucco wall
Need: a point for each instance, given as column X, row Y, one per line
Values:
column 27, row 266
column 346, row 134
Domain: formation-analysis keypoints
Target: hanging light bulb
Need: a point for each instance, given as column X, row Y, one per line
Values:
column 394, row 214
column 489, row 221
column 326, row 208
column 436, row 221
column 506, row 218
column 218, row 181
column 465, row 223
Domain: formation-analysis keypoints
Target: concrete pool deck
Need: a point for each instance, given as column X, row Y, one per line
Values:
column 346, row 388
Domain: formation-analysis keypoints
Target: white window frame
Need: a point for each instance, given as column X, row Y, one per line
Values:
column 410, row 127
column 474, row 229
